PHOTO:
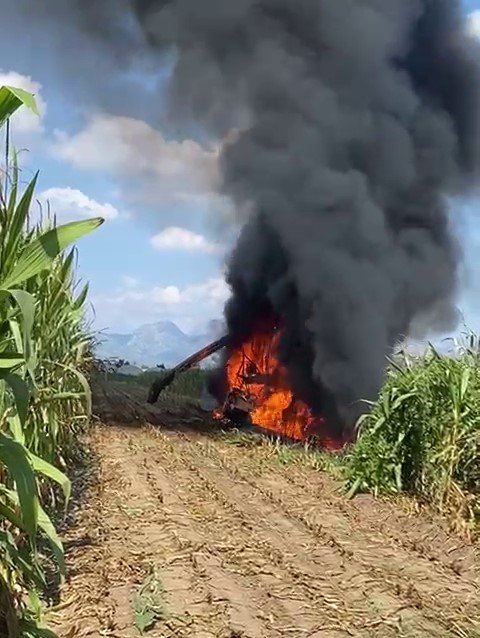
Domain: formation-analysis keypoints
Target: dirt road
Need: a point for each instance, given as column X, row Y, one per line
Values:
column 206, row 536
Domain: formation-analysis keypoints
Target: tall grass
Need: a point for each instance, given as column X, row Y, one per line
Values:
column 423, row 434
column 43, row 394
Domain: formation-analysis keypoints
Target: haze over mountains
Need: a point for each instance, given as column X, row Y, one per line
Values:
column 155, row 343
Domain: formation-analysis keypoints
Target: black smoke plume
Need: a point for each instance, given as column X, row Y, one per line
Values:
column 353, row 120
column 356, row 119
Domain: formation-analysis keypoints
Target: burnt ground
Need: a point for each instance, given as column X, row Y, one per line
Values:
column 205, row 535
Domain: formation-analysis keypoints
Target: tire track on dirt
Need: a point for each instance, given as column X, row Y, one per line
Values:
column 262, row 577
column 149, row 524
column 416, row 532
column 346, row 580
column 205, row 599
column 419, row 582
column 138, row 532
column 240, row 548
column 233, row 539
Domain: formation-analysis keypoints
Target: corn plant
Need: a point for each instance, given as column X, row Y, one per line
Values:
column 42, row 390
column 422, row 436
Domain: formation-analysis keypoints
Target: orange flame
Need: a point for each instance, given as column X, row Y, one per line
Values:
column 253, row 369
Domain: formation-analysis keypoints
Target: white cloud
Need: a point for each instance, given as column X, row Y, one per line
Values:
column 130, row 282
column 473, row 24
column 69, row 204
column 191, row 307
column 25, row 121
column 162, row 171
column 175, row 238
column 125, row 145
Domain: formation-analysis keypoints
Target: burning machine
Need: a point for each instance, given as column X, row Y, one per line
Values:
column 257, row 389
column 162, row 383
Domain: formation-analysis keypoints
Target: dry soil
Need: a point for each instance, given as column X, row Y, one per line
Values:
column 225, row 536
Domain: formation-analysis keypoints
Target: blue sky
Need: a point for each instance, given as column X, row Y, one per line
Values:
column 158, row 256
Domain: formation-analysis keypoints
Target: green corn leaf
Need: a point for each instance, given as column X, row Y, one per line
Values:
column 34, row 605
column 15, row 428
column 83, row 382
column 41, row 251
column 144, row 620
column 86, row 389
column 66, row 270
column 401, row 399
column 26, row 303
column 47, row 527
column 16, row 334
column 49, row 471
column 15, row 457
column 11, row 99
column 9, row 514
column 81, row 298
column 354, row 489
column 21, row 393
column 15, row 224
column 32, row 630
column 17, row 559
column 11, row 360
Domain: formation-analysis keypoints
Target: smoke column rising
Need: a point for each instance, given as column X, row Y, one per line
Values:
column 353, row 120
column 356, row 119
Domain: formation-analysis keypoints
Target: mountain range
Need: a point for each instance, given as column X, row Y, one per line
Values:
column 155, row 344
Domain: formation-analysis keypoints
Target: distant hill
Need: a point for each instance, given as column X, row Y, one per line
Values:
column 154, row 344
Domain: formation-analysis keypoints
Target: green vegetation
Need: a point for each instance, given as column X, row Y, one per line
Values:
column 188, row 384
column 422, row 436
column 148, row 603
column 44, row 397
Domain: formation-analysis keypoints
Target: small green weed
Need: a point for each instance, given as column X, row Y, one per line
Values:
column 149, row 603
